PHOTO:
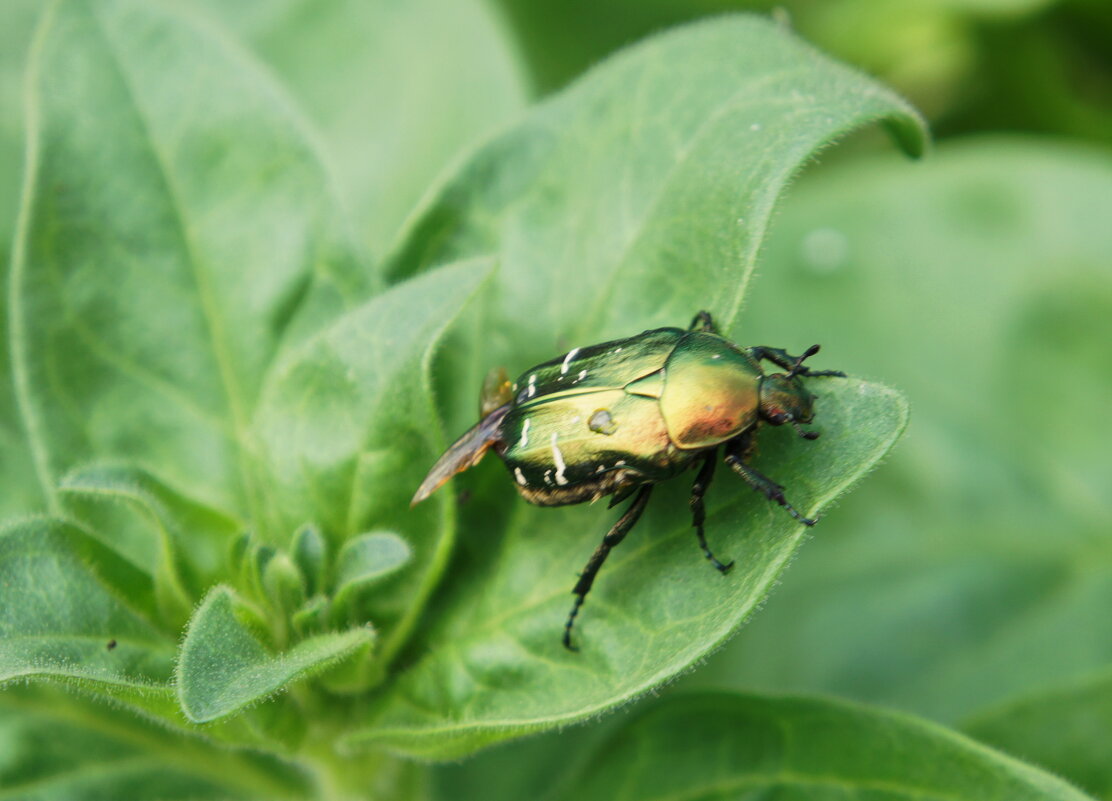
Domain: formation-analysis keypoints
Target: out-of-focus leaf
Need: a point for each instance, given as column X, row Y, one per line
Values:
column 723, row 746
column 22, row 493
column 223, row 667
column 397, row 90
column 367, row 559
column 979, row 567
column 166, row 244
column 1064, row 730
column 65, row 748
column 347, row 424
column 310, row 552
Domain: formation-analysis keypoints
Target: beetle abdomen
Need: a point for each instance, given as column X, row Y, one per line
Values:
column 568, row 445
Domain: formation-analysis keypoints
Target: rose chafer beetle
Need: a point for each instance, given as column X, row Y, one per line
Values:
column 619, row 417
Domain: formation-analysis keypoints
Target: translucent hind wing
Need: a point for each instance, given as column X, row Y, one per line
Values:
column 467, row 451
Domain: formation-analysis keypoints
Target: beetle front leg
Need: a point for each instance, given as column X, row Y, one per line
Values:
column 781, row 358
column 698, row 512
column 703, row 322
column 763, row 484
column 614, row 536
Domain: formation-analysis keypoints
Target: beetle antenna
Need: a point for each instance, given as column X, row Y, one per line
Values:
column 807, row 354
column 804, row 434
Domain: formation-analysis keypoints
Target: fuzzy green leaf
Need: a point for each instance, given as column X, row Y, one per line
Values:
column 223, row 667
column 64, row 617
column 367, row 559
column 348, row 428
column 167, row 243
column 723, row 746
column 179, row 541
column 494, row 666
column 1064, row 729
column 66, row 748
column 646, row 187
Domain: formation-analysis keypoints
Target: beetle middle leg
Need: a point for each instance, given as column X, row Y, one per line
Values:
column 614, row 536
column 698, row 512
column 735, row 458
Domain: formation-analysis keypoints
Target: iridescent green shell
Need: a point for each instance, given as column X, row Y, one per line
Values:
column 598, row 420
column 605, row 418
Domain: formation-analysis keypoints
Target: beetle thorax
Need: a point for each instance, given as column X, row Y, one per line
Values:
column 710, row 392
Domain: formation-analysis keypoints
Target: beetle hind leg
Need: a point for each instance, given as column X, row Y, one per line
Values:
column 698, row 511
column 614, row 536
column 763, row 484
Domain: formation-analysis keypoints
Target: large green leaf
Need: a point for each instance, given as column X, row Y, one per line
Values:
column 723, row 746
column 347, row 424
column 223, row 667
column 643, row 192
column 494, row 666
column 64, row 748
column 166, row 245
column 397, row 90
column 980, row 567
column 73, row 610
column 1064, row 729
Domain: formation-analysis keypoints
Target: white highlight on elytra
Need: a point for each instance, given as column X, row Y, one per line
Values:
column 567, row 361
column 520, row 476
column 582, row 375
column 532, row 385
column 524, row 434
column 558, row 458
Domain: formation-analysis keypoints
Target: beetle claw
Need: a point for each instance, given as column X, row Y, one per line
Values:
column 812, row 435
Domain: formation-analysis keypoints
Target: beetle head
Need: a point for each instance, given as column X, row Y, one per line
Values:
column 784, row 399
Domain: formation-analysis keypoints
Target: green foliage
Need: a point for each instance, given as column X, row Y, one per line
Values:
column 493, row 665
column 798, row 749
column 245, row 315
column 223, row 668
column 1064, row 729
column 988, row 574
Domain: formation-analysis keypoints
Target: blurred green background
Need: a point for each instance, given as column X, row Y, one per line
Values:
column 970, row 579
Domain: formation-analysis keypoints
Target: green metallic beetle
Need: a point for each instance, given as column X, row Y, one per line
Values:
column 619, row 417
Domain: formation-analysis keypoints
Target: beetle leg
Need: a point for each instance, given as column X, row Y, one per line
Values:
column 764, row 484
column 698, row 513
column 703, row 322
column 614, row 536
column 781, row 358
